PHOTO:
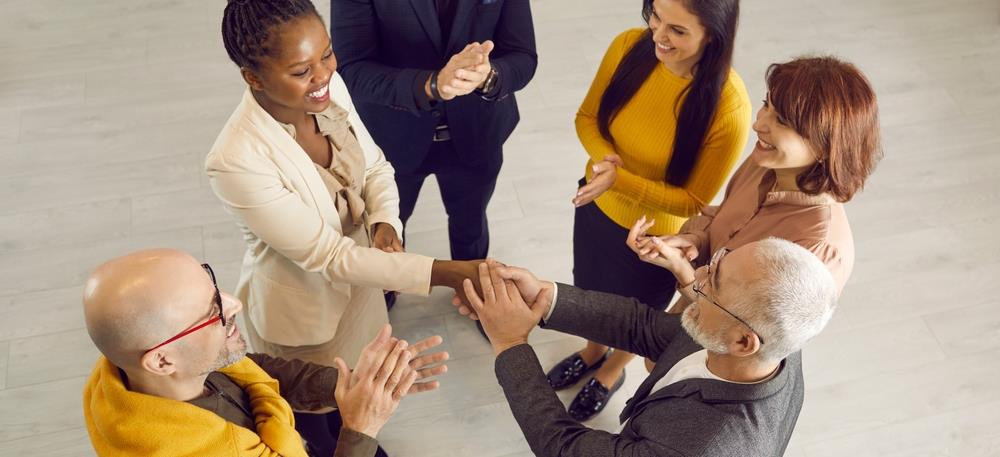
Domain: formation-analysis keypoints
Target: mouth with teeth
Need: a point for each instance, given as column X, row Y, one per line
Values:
column 664, row 47
column 320, row 95
column 764, row 146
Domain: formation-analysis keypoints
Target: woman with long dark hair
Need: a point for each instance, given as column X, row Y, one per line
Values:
column 664, row 122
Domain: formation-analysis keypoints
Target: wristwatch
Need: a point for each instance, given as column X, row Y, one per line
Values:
column 490, row 83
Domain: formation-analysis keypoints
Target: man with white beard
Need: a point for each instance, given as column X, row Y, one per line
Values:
column 728, row 373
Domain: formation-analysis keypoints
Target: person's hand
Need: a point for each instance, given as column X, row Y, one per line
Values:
column 505, row 316
column 673, row 252
column 527, row 284
column 424, row 364
column 603, row 176
column 465, row 71
column 451, row 273
column 384, row 237
column 369, row 395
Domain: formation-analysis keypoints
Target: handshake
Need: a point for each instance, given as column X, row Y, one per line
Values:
column 508, row 301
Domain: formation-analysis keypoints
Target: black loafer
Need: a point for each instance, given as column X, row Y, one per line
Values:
column 568, row 371
column 593, row 398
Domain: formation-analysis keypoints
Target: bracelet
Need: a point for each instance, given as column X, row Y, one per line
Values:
column 435, row 95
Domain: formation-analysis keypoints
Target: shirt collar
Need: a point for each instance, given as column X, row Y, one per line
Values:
column 789, row 197
column 325, row 120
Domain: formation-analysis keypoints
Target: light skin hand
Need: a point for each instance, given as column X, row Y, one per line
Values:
column 505, row 316
column 464, row 72
column 369, row 395
column 425, row 364
column 674, row 253
column 603, row 176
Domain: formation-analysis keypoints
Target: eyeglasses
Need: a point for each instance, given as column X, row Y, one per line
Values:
column 700, row 289
column 221, row 317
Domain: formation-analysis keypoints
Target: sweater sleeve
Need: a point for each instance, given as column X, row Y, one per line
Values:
column 723, row 145
column 586, row 117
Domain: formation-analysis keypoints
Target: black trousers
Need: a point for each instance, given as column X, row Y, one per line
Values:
column 465, row 190
column 321, row 432
column 602, row 261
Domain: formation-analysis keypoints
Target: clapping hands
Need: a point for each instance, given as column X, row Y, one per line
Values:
column 603, row 176
column 387, row 370
column 675, row 253
column 465, row 71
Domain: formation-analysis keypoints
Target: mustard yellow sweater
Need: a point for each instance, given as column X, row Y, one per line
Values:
column 644, row 132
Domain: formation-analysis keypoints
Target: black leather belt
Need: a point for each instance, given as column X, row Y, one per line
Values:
column 441, row 133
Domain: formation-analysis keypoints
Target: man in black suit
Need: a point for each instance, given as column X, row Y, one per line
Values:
column 728, row 374
column 434, row 82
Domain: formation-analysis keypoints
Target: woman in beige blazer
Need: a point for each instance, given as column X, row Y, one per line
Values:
column 311, row 192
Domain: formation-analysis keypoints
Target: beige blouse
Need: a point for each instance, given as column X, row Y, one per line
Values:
column 752, row 211
column 346, row 172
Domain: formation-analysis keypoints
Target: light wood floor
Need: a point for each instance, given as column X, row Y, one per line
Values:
column 107, row 108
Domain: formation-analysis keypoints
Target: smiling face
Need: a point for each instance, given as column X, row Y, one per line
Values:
column 779, row 146
column 678, row 34
column 296, row 77
column 193, row 303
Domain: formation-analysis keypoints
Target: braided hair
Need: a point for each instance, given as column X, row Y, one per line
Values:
column 247, row 25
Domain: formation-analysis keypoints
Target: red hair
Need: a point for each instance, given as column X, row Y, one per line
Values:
column 833, row 106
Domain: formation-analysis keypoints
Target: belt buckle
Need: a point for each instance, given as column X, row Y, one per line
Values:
column 441, row 133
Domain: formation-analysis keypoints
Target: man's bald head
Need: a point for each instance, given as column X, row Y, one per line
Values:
column 133, row 302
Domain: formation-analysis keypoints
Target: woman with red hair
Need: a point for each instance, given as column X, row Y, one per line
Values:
column 817, row 143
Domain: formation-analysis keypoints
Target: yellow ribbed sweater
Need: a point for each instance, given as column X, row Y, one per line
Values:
column 644, row 135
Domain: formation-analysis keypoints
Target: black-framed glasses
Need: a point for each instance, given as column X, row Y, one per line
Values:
column 699, row 288
column 220, row 317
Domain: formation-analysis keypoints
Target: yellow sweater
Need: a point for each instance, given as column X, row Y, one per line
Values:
column 126, row 423
column 644, row 135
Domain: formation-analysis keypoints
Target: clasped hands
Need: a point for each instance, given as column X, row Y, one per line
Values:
column 464, row 72
column 675, row 253
column 603, row 175
column 509, row 302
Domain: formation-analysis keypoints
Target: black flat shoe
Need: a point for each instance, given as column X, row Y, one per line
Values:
column 593, row 398
column 568, row 371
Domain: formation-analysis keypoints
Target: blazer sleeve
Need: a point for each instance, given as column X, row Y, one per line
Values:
column 547, row 427
column 356, row 43
column 613, row 320
column 514, row 55
column 252, row 189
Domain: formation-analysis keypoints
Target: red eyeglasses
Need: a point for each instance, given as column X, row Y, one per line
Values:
column 217, row 318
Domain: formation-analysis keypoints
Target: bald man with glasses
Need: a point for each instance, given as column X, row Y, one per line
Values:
column 175, row 377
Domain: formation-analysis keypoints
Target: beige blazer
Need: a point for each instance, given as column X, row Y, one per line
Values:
column 298, row 267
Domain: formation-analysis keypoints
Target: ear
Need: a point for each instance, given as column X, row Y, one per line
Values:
column 251, row 79
column 159, row 362
column 745, row 344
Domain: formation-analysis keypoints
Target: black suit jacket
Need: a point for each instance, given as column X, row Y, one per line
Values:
column 694, row 417
column 385, row 48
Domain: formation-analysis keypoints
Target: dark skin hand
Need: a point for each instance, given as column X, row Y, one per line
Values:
column 451, row 273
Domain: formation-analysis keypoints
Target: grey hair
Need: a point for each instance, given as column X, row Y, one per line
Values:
column 791, row 300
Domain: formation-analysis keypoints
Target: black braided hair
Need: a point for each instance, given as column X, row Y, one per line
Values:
column 247, row 25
